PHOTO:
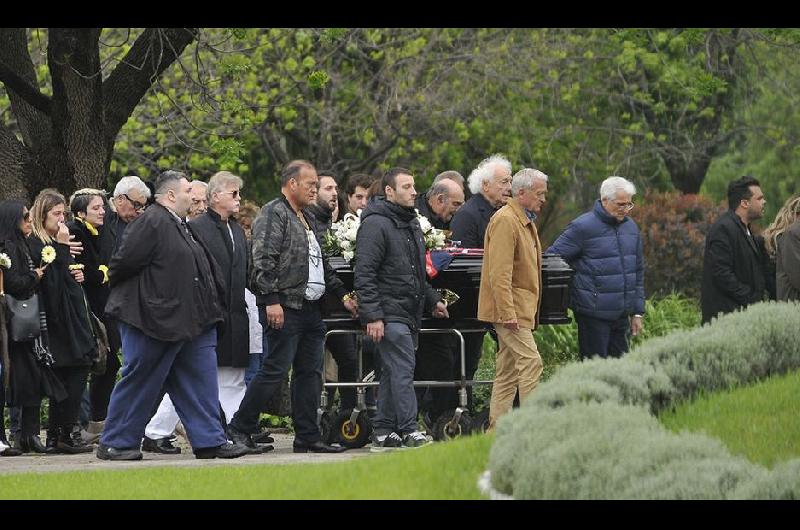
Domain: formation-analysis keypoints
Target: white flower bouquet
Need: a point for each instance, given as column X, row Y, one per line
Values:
column 5, row 261
column 340, row 240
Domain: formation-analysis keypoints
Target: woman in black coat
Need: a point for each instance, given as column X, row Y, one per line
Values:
column 71, row 338
column 30, row 377
column 88, row 208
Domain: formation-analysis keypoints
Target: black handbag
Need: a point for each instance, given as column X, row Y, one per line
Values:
column 25, row 322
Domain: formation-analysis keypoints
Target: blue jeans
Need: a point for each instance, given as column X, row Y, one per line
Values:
column 299, row 344
column 186, row 370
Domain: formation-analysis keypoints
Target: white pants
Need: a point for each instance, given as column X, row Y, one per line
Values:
column 163, row 423
column 231, row 389
column 231, row 392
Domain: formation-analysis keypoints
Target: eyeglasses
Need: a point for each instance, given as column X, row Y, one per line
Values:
column 136, row 204
column 627, row 206
column 26, row 216
column 234, row 193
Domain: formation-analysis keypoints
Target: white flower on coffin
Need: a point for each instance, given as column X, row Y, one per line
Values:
column 5, row 261
column 434, row 238
column 340, row 239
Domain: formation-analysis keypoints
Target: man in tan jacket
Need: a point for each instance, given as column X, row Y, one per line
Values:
column 510, row 289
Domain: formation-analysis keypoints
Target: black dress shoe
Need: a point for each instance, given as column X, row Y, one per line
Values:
column 226, row 450
column 33, row 444
column 160, row 445
column 105, row 452
column 241, row 438
column 316, row 447
column 263, row 438
column 11, row 451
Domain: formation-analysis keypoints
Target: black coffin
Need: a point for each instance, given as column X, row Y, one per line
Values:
column 463, row 277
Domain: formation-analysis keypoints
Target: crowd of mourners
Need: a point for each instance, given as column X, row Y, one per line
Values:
column 175, row 306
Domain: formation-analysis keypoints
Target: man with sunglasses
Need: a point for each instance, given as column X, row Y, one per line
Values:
column 129, row 201
column 604, row 247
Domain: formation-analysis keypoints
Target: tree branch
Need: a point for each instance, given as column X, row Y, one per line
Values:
column 18, row 85
column 152, row 53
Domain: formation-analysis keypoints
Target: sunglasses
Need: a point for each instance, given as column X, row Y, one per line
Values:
column 26, row 216
column 234, row 193
column 136, row 204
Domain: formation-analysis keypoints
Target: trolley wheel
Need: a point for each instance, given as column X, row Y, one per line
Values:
column 480, row 422
column 350, row 435
column 327, row 428
column 441, row 431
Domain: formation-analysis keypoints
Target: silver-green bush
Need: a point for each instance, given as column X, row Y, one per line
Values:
column 590, row 431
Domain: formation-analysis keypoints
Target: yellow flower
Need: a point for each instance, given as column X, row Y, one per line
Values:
column 48, row 254
column 5, row 261
column 104, row 270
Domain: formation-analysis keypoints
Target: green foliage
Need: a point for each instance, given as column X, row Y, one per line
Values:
column 674, row 228
column 590, row 432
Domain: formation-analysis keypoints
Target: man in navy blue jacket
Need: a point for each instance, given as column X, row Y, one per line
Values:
column 605, row 249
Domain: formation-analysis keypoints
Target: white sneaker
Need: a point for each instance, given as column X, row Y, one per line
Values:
column 415, row 439
column 385, row 442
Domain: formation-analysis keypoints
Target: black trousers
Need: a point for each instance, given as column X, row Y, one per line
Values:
column 606, row 338
column 66, row 413
column 436, row 361
column 101, row 386
column 343, row 349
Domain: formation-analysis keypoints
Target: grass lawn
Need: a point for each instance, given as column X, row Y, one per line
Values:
column 447, row 470
column 760, row 421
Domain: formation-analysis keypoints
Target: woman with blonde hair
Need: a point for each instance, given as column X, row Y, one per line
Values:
column 69, row 329
column 782, row 239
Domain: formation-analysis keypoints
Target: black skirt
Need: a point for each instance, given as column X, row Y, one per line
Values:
column 29, row 381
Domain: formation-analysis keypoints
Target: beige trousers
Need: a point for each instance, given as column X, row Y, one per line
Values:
column 518, row 364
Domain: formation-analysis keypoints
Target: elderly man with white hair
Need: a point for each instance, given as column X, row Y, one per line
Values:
column 128, row 203
column 604, row 247
column 510, row 292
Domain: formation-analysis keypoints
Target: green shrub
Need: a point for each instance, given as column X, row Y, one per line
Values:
column 587, row 433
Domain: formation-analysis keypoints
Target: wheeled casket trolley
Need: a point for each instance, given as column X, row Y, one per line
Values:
column 352, row 427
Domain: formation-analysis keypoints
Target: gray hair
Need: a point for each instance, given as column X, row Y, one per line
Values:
column 455, row 176
column 221, row 179
column 485, row 171
column 438, row 188
column 524, row 178
column 611, row 185
column 132, row 182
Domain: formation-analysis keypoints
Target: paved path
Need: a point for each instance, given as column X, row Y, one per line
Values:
column 88, row 461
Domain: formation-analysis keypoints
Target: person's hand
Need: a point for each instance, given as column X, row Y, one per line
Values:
column 63, row 235
column 75, row 247
column 40, row 271
column 511, row 324
column 636, row 325
column 352, row 306
column 77, row 274
column 440, row 311
column 275, row 316
column 375, row 331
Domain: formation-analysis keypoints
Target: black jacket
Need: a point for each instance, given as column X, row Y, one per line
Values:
column 425, row 211
column 280, row 258
column 389, row 274
column 470, row 221
column 97, row 250
column 233, row 344
column 114, row 227
column 320, row 220
column 163, row 282
column 735, row 268
column 69, row 329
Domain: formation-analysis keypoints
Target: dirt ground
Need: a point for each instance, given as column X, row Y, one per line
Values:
column 88, row 461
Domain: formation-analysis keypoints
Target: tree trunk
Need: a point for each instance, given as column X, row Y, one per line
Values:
column 687, row 176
